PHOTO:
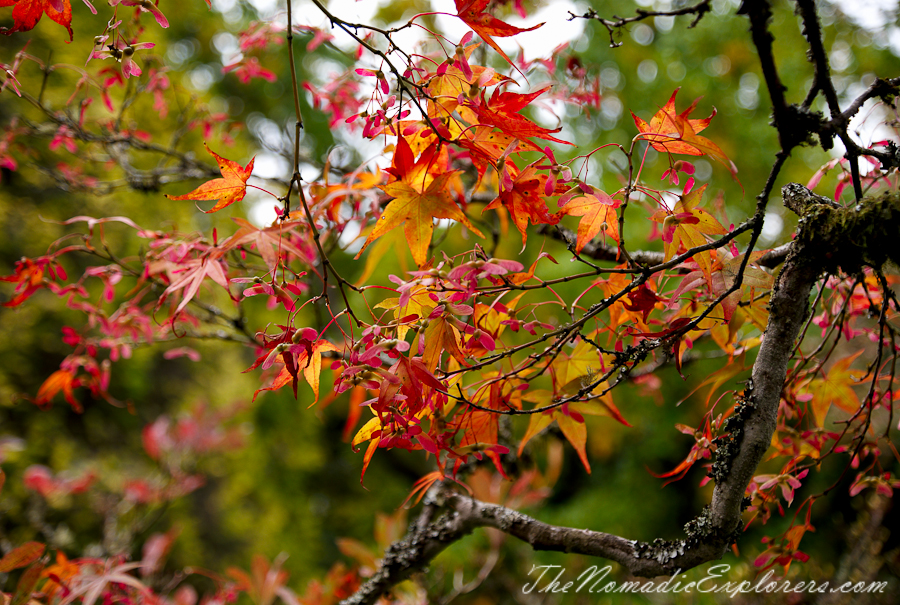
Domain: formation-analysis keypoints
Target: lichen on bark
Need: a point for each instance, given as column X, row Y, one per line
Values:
column 847, row 237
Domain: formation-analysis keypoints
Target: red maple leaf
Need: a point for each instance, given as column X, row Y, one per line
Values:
column 27, row 13
column 502, row 110
column 486, row 145
column 191, row 276
column 485, row 25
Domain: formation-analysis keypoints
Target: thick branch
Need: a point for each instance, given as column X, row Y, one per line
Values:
column 760, row 12
column 813, row 32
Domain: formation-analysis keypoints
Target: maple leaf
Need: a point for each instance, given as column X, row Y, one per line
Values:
column 272, row 242
column 29, row 278
column 570, row 419
column 580, row 368
column 702, row 449
column 441, row 336
column 60, row 380
column 642, row 300
column 502, row 110
column 598, row 212
column 27, row 13
column 671, row 132
column 521, row 278
column 21, row 556
column 414, row 378
column 89, row 586
column 752, row 279
column 194, row 272
column 227, row 190
column 570, row 422
column 420, row 488
column 573, row 372
column 416, row 204
column 445, row 89
column 486, row 145
column 835, row 388
column 59, row 574
column 686, row 226
column 479, row 428
column 305, row 354
column 524, row 199
column 418, row 303
column 619, row 312
column 575, row 430
column 485, row 25
column 314, row 366
column 264, row 582
column 27, row 584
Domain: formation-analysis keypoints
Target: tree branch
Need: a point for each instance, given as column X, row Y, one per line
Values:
column 600, row 251
column 698, row 10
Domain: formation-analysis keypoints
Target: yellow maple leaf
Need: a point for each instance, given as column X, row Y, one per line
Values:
column 418, row 200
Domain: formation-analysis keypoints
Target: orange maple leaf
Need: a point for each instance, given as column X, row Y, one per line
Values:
column 417, row 202
column 60, row 380
column 486, row 145
column 598, row 213
column 570, row 420
column 686, row 227
column 27, row 13
column 59, row 574
column 272, row 242
column 485, row 25
column 441, row 336
column 445, row 89
column 575, row 430
column 525, row 199
column 227, row 190
column 478, row 429
column 573, row 371
column 671, row 132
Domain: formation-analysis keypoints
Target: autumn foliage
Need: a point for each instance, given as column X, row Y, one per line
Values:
column 442, row 358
